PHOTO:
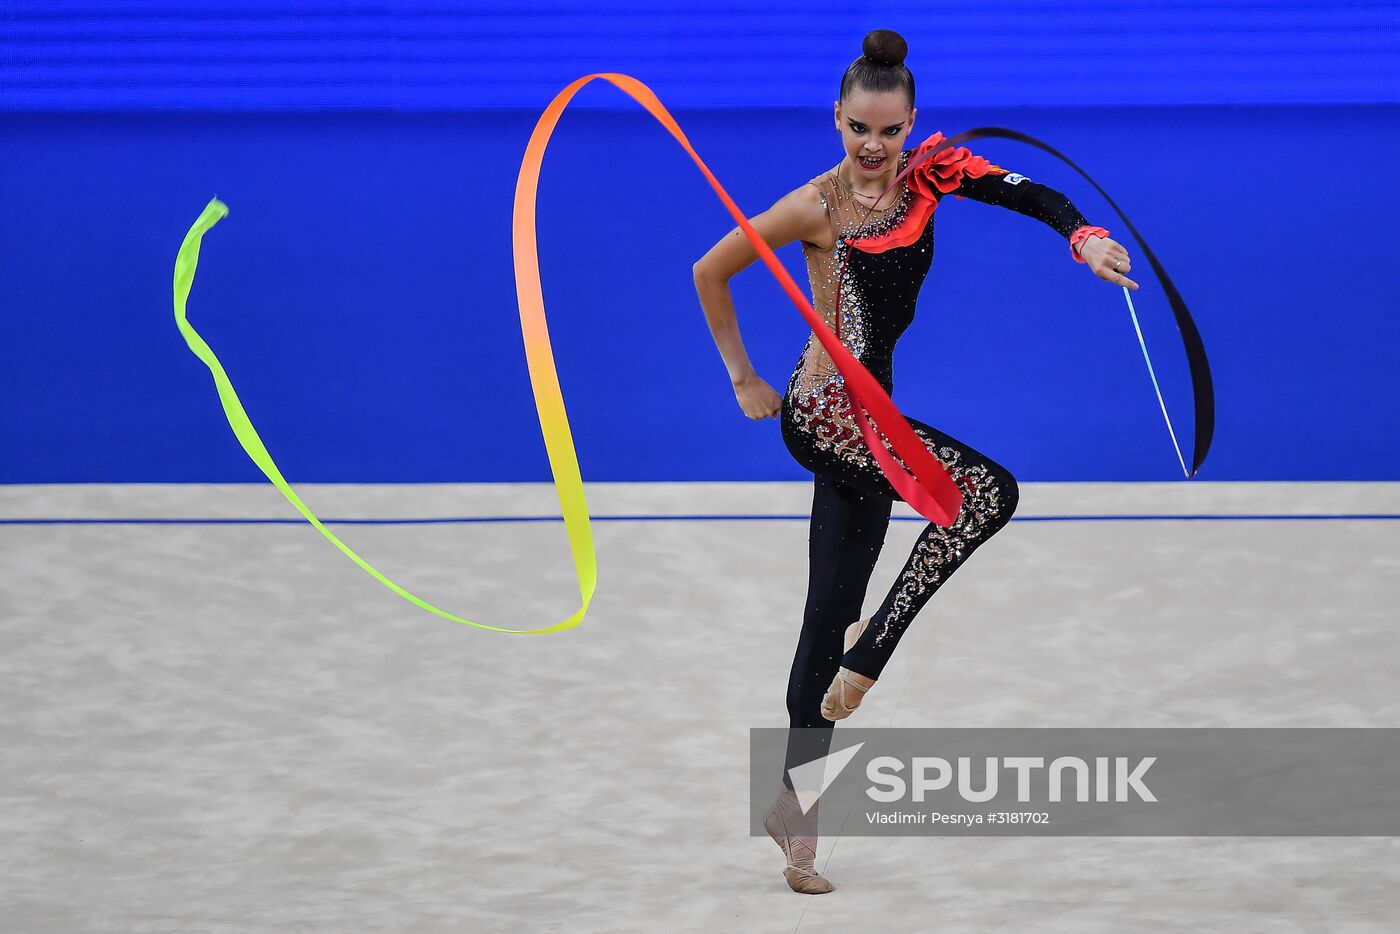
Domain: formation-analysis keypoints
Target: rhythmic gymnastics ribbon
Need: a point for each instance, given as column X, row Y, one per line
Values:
column 926, row 485
column 938, row 498
column 1203, row 392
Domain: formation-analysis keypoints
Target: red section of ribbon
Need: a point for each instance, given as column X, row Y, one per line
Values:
column 926, row 486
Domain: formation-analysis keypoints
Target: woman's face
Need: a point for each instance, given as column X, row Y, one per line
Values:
column 874, row 124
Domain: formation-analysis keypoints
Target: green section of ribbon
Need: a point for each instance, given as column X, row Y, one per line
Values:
column 185, row 262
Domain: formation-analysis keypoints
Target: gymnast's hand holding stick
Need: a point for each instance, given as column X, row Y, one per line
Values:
column 1108, row 260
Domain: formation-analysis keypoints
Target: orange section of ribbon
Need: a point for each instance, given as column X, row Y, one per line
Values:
column 927, row 486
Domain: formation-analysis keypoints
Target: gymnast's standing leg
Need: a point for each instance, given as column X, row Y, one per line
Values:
column 846, row 533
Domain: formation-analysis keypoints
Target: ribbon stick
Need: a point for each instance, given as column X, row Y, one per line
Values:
column 1153, row 373
column 938, row 497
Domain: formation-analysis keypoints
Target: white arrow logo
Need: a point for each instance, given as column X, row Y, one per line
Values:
column 821, row 773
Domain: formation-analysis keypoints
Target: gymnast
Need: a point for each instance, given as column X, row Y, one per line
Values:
column 839, row 655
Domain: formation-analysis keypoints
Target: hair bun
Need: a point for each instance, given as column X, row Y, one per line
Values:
column 885, row 46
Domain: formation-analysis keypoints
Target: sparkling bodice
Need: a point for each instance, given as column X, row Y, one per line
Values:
column 877, row 299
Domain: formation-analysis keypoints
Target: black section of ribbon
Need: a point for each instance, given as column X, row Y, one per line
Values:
column 1203, row 389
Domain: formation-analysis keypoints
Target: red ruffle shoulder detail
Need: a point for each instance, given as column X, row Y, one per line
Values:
column 938, row 175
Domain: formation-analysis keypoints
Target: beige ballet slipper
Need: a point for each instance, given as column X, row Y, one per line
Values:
column 836, row 705
column 796, row 835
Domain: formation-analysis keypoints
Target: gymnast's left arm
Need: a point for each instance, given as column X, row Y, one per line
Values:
column 1019, row 193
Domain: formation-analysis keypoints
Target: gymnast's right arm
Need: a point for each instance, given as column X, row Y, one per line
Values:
column 798, row 215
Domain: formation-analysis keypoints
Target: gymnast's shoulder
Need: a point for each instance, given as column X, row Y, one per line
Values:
column 808, row 210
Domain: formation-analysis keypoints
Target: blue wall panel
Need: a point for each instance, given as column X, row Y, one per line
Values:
column 361, row 295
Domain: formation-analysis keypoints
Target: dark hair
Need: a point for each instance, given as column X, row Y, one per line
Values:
column 881, row 67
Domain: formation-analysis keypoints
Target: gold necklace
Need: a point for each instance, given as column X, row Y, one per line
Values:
column 860, row 193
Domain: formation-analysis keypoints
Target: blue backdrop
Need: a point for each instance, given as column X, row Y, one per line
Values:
column 361, row 294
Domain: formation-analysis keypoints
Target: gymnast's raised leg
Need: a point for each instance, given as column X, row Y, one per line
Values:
column 990, row 496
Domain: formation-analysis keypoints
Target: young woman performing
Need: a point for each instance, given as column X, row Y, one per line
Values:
column 840, row 656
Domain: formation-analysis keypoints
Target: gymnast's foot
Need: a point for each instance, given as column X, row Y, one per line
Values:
column 796, row 834
column 845, row 694
column 848, row 688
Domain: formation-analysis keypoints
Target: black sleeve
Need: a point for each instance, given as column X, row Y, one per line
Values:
column 1021, row 194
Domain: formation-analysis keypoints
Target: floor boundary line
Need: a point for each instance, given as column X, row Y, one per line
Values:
column 792, row 517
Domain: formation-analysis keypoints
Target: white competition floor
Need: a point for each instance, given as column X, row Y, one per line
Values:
column 229, row 727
